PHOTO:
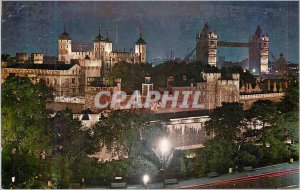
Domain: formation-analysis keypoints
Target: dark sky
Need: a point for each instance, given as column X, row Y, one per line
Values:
column 35, row 26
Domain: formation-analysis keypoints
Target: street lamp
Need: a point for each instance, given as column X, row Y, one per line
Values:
column 13, row 179
column 288, row 142
column 146, row 180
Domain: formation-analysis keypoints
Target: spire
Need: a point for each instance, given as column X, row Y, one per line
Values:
column 258, row 31
column 64, row 35
column 206, row 29
column 99, row 30
column 140, row 32
column 107, row 38
column 99, row 37
column 140, row 40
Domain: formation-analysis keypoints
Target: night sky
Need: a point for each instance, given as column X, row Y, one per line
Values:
column 35, row 26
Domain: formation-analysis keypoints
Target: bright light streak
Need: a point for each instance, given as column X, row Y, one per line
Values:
column 164, row 146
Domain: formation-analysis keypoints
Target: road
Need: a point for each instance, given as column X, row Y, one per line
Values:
column 279, row 179
column 277, row 176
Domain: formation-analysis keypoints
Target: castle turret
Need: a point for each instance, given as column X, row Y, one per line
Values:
column 99, row 45
column 140, row 48
column 64, row 46
column 108, row 44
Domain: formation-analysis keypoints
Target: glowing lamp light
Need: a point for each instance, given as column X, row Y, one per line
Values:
column 146, row 179
column 13, row 179
column 164, row 146
column 288, row 141
column 253, row 70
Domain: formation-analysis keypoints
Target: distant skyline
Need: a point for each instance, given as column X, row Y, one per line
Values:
column 167, row 26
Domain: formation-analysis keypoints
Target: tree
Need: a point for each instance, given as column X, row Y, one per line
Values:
column 24, row 114
column 132, row 136
column 217, row 156
column 226, row 122
column 271, row 128
column 70, row 146
column 128, row 133
column 289, row 106
column 132, row 75
column 262, row 116
column 5, row 57
column 140, row 166
column 24, row 118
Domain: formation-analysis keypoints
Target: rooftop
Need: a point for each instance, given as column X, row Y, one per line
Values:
column 56, row 66
column 64, row 36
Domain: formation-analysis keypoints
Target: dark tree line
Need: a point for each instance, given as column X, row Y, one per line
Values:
column 133, row 75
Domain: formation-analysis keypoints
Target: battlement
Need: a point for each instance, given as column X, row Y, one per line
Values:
column 233, row 82
column 218, row 76
column 96, row 89
column 65, row 99
column 261, row 96
column 235, row 76
column 211, row 76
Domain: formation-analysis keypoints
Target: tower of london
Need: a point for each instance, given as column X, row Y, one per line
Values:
column 102, row 53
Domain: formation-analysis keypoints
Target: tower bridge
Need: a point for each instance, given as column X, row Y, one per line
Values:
column 232, row 44
column 207, row 44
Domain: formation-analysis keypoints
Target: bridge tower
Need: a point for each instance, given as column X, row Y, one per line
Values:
column 258, row 52
column 206, row 46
